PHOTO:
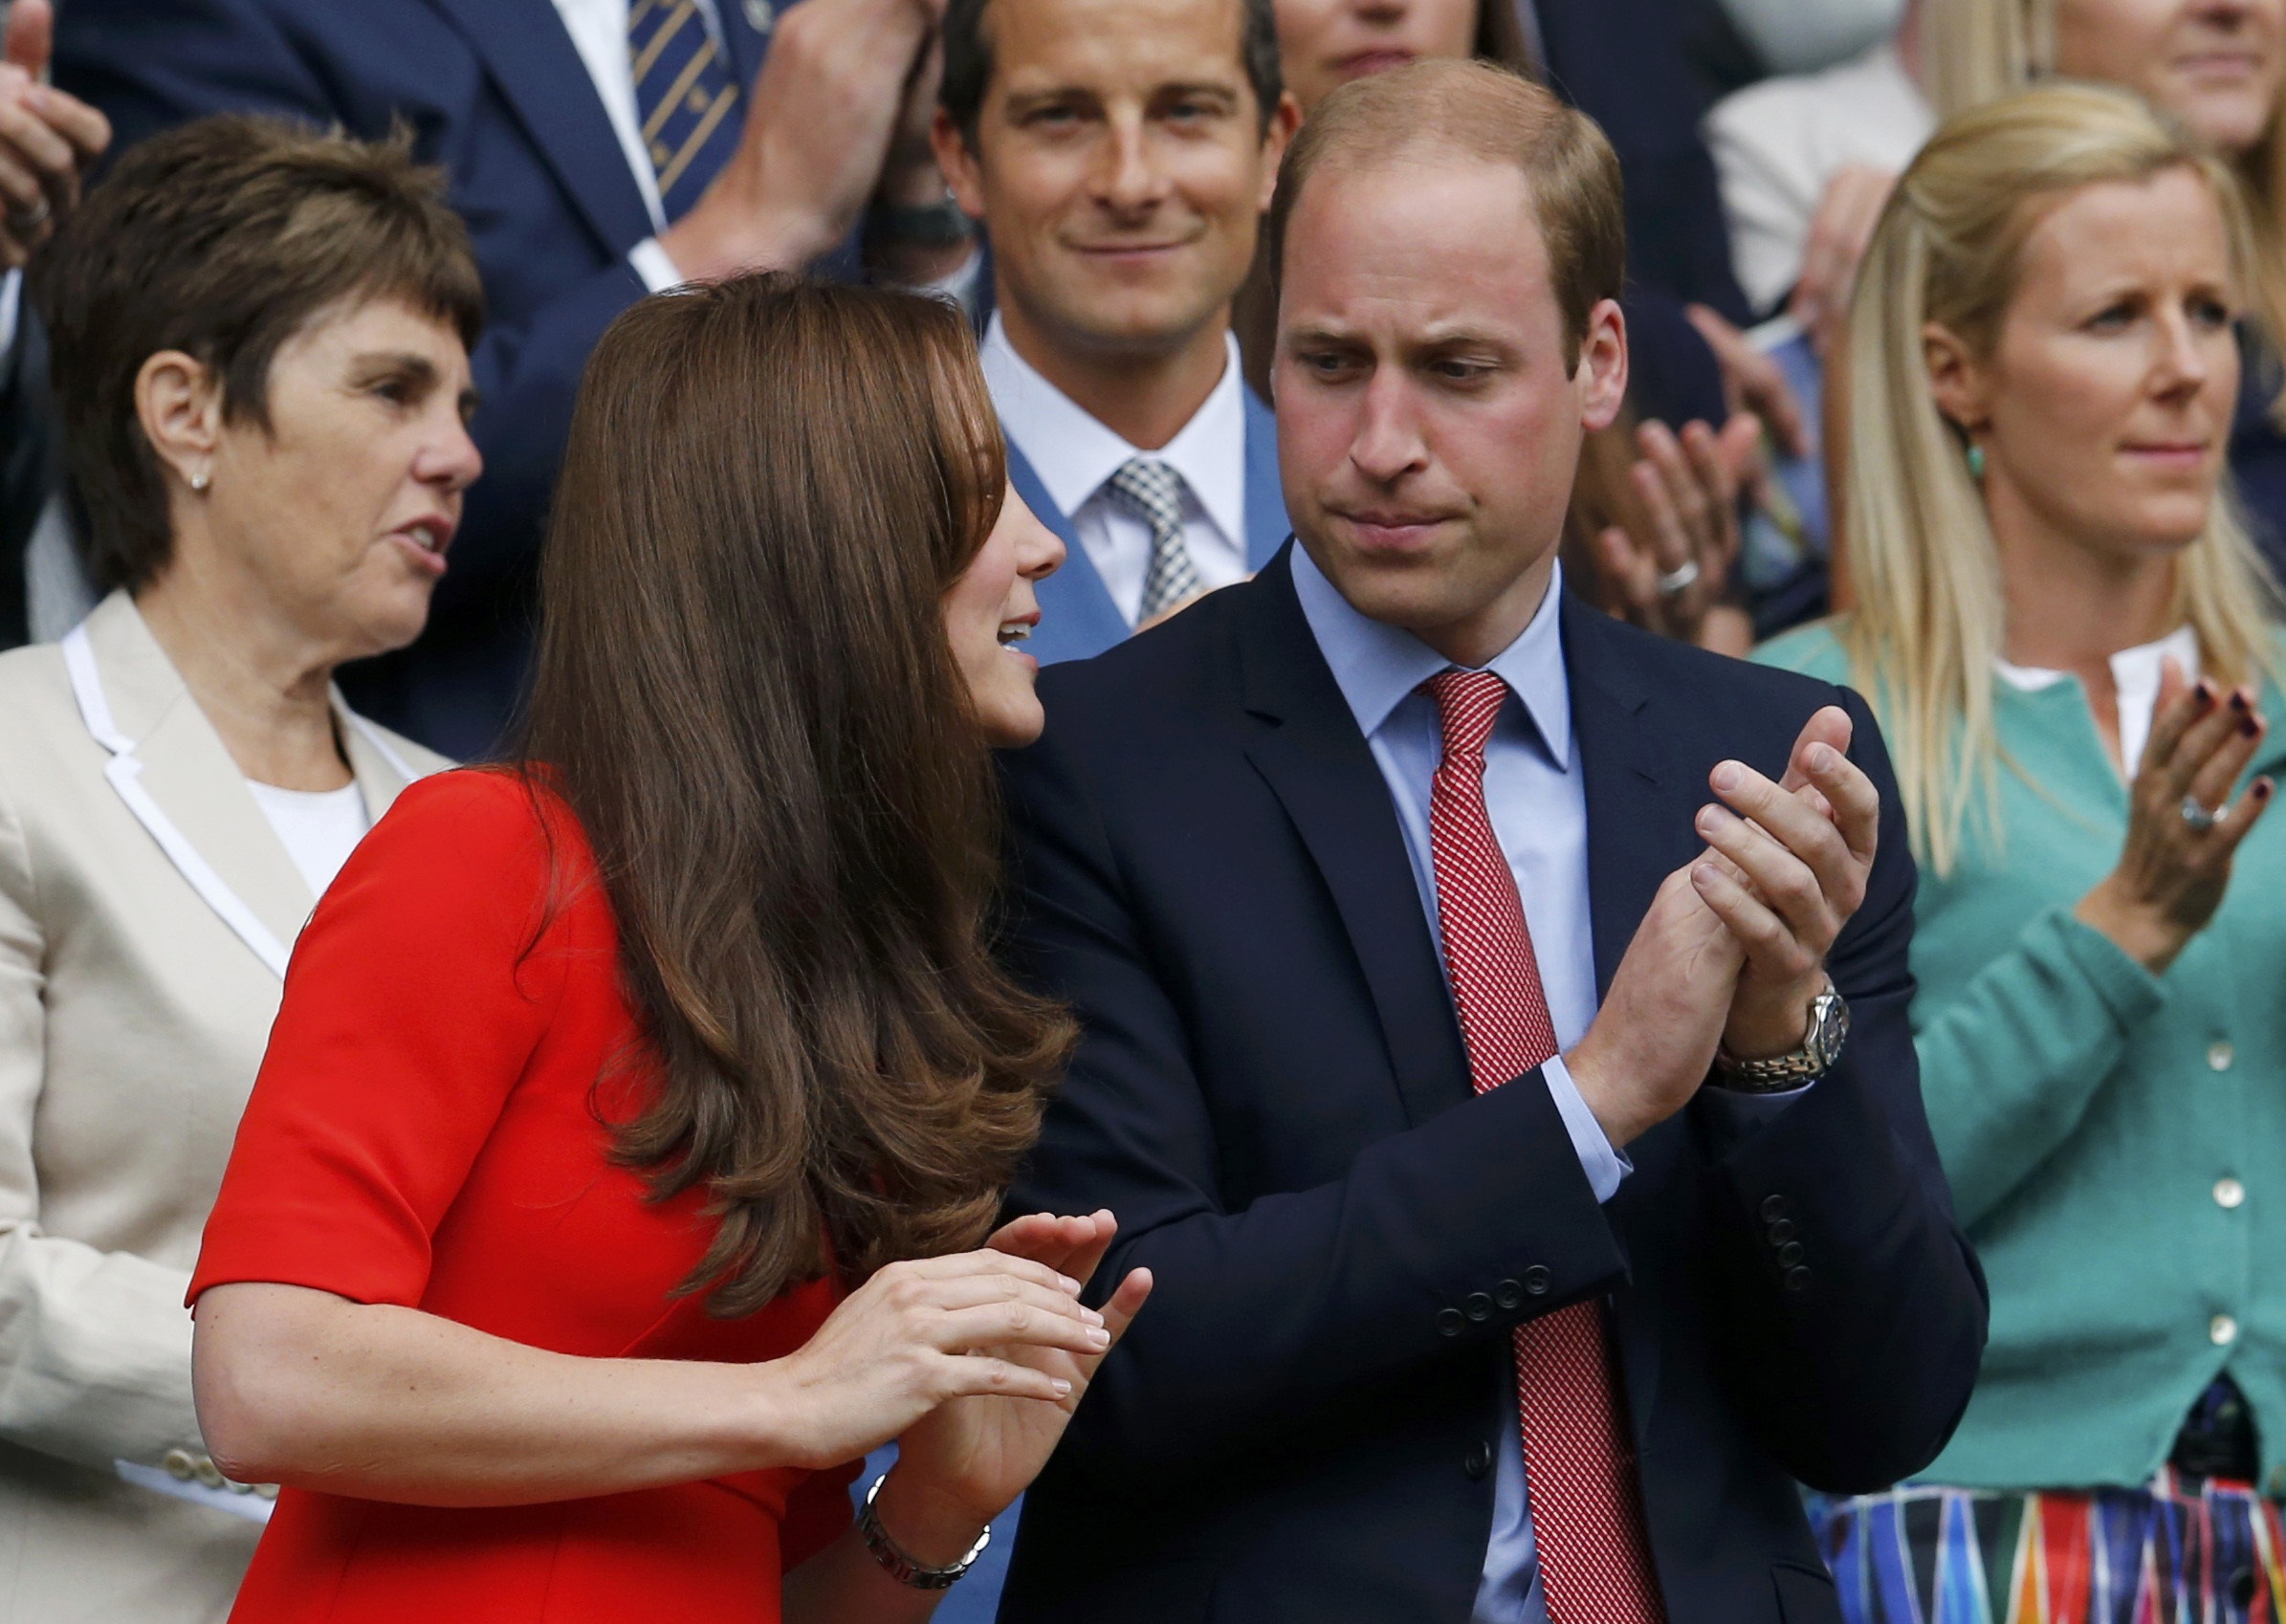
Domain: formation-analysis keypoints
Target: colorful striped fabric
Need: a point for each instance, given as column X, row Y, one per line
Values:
column 2183, row 1550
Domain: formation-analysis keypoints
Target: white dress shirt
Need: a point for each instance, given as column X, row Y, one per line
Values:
column 1777, row 145
column 1074, row 455
column 2135, row 681
column 599, row 29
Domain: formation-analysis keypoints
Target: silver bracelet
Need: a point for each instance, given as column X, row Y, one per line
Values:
column 899, row 1564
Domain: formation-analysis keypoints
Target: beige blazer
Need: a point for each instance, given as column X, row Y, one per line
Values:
column 133, row 1015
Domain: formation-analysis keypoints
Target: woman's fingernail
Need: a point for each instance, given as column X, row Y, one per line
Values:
column 1099, row 1336
column 2262, row 787
column 1726, row 776
column 1063, row 1388
column 2204, row 693
column 1069, row 1285
column 2250, row 727
column 2239, row 701
column 1704, row 873
column 1092, row 1317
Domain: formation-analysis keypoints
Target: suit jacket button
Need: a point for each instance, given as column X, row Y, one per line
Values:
column 1781, row 1232
column 1508, row 1294
column 1773, row 1208
column 1449, row 1322
column 1537, row 1280
column 1477, row 1306
column 1789, row 1253
column 1798, row 1279
column 1478, row 1461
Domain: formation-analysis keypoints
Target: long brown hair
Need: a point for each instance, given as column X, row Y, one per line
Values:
column 745, row 694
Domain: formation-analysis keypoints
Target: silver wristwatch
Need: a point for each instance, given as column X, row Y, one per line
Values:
column 1821, row 1047
column 899, row 1564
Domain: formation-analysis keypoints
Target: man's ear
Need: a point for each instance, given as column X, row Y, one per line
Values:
column 958, row 164
column 1285, row 120
column 1602, row 370
column 177, row 402
column 1957, row 379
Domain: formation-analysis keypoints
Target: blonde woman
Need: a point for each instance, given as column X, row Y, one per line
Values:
column 2060, row 624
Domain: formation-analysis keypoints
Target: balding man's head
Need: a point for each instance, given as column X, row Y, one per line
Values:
column 1476, row 112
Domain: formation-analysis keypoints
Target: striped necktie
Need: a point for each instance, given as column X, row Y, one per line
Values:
column 1152, row 490
column 1578, row 1459
column 684, row 95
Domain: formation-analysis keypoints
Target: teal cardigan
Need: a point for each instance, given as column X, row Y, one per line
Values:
column 2116, row 1142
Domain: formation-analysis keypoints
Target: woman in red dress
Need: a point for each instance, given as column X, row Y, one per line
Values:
column 599, row 1083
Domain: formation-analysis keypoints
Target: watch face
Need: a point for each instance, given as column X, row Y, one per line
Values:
column 1829, row 1025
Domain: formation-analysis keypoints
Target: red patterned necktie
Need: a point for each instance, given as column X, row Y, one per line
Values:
column 1579, row 1463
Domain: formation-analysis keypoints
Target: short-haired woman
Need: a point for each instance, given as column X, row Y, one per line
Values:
column 2062, row 629
column 615, row 1171
column 261, row 360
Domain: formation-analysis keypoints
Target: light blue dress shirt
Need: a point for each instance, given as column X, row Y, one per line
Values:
column 1539, row 812
column 1538, row 806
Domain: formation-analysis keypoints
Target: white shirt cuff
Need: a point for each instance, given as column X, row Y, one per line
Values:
column 1604, row 1165
column 656, row 266
column 12, row 294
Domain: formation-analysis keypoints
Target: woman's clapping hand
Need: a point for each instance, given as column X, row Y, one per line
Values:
column 978, row 1452
column 919, row 1334
column 2183, row 828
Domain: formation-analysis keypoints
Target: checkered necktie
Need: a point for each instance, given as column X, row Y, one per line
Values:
column 1152, row 490
column 685, row 96
column 1579, row 1461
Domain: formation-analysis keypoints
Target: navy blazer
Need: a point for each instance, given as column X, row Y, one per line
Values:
column 1077, row 617
column 495, row 92
column 1272, row 1095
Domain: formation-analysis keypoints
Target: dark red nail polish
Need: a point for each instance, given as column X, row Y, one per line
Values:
column 2205, row 694
column 2238, row 703
column 2261, row 789
column 2250, row 727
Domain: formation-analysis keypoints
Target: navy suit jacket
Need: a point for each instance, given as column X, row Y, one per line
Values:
column 1272, row 1095
column 1077, row 617
column 495, row 92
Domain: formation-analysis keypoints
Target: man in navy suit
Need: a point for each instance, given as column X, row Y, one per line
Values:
column 599, row 149
column 1119, row 154
column 1526, row 1142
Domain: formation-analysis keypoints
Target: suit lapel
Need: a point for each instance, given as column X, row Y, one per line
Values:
column 1638, row 831
column 530, row 56
column 189, row 776
column 1318, row 765
column 381, row 770
column 1621, row 778
column 1266, row 524
column 1077, row 617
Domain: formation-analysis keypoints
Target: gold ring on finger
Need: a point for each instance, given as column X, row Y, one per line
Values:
column 2197, row 814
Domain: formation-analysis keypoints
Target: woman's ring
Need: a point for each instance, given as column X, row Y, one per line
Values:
column 1679, row 580
column 2196, row 815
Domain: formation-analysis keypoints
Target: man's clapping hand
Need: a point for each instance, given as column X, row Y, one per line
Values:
column 46, row 139
column 1733, row 951
column 1786, row 870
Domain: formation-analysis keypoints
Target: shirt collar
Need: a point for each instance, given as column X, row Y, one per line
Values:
column 2132, row 670
column 1377, row 665
column 1074, row 453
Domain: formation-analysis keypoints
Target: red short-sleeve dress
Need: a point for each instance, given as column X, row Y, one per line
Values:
column 424, row 1131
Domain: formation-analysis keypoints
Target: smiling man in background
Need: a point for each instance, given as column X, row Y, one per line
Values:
column 1119, row 154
